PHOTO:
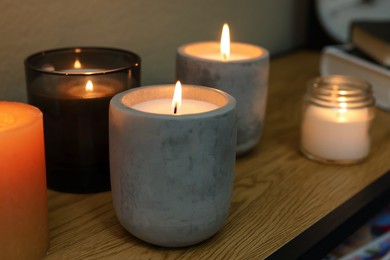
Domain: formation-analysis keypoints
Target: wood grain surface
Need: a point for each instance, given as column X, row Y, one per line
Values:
column 278, row 193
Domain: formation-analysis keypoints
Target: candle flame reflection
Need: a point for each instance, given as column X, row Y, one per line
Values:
column 225, row 42
column 342, row 102
column 77, row 64
column 89, row 86
column 176, row 100
column 343, row 107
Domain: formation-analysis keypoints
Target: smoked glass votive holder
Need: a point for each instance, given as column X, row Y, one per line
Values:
column 73, row 88
column 337, row 115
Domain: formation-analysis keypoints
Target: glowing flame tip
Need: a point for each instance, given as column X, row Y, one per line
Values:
column 176, row 101
column 225, row 42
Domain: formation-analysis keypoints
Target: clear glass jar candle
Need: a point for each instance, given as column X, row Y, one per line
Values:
column 338, row 111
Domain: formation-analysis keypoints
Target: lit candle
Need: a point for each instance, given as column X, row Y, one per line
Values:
column 238, row 68
column 23, row 207
column 76, row 132
column 73, row 88
column 166, row 106
column 336, row 121
column 172, row 173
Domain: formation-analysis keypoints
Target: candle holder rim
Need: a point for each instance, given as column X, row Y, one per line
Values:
column 332, row 106
column 230, row 104
column 264, row 54
column 89, row 48
column 329, row 79
column 358, row 91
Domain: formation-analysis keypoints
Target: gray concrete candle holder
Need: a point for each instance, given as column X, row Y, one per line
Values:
column 172, row 175
column 244, row 76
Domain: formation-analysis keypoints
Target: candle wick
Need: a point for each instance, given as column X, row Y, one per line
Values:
column 224, row 56
column 175, row 109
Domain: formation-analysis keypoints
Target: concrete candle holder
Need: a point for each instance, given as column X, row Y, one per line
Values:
column 172, row 175
column 244, row 75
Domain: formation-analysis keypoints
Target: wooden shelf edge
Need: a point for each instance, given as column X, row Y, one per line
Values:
column 334, row 228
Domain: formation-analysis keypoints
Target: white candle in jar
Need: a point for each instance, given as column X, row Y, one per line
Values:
column 336, row 133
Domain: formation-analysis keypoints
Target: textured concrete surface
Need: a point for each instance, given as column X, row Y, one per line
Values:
column 171, row 177
column 246, row 81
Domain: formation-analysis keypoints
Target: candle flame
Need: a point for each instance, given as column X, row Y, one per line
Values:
column 225, row 42
column 176, row 101
column 89, row 86
column 77, row 64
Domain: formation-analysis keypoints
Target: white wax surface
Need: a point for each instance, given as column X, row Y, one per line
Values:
column 334, row 135
column 211, row 51
column 219, row 57
column 164, row 106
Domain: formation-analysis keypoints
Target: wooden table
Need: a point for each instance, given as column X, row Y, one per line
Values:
column 279, row 195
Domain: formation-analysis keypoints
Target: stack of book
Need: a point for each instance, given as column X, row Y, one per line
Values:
column 366, row 57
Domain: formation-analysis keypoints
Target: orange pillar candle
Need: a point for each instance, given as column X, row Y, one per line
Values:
column 23, row 195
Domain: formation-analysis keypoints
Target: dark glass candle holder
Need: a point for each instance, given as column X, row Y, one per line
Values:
column 73, row 88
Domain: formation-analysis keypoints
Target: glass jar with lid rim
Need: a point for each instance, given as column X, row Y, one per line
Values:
column 337, row 115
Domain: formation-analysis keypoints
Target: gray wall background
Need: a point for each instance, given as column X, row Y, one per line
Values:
column 152, row 28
